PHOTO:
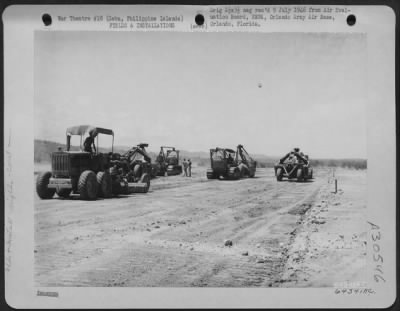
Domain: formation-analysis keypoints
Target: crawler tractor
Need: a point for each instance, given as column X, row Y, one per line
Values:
column 168, row 161
column 294, row 165
column 228, row 164
column 223, row 164
column 86, row 172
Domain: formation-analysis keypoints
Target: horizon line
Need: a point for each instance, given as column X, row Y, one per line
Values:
column 251, row 154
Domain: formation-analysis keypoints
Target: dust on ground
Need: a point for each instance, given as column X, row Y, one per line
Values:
column 178, row 235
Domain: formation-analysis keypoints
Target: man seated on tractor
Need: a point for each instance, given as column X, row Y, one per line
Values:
column 291, row 161
column 87, row 145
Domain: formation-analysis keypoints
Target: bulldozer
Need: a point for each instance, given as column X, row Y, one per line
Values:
column 294, row 165
column 230, row 164
column 223, row 164
column 87, row 172
column 168, row 161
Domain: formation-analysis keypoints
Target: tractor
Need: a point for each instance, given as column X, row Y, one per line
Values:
column 140, row 161
column 86, row 172
column 229, row 164
column 247, row 165
column 223, row 164
column 294, row 165
column 168, row 161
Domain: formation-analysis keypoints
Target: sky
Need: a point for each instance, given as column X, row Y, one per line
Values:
column 270, row 92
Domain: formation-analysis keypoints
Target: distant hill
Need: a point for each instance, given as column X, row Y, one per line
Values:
column 44, row 148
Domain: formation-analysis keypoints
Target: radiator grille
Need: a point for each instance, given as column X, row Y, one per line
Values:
column 60, row 164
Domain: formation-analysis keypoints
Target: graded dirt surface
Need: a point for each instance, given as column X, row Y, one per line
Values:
column 282, row 234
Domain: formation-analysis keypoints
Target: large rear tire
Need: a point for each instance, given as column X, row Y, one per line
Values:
column 310, row 173
column 279, row 174
column 104, row 185
column 299, row 174
column 145, row 179
column 116, row 187
column 243, row 170
column 87, row 185
column 42, row 189
column 63, row 193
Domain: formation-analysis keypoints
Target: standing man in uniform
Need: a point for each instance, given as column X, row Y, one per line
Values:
column 185, row 166
column 190, row 168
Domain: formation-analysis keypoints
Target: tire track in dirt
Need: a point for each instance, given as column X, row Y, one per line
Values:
column 96, row 243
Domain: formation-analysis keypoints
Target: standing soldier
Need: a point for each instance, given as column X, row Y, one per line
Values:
column 190, row 168
column 185, row 166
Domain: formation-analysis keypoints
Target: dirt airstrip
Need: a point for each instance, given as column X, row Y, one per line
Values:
column 282, row 234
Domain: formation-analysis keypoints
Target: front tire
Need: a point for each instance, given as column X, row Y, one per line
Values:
column 42, row 188
column 87, row 185
column 104, row 185
column 299, row 174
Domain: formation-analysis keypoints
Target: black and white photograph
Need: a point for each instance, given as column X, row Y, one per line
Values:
column 164, row 164
column 202, row 159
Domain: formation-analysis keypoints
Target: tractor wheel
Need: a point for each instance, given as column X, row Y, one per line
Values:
column 234, row 173
column 63, row 193
column 116, row 187
column 299, row 174
column 252, row 172
column 279, row 174
column 146, row 180
column 104, row 185
column 87, row 185
column 210, row 174
column 137, row 170
column 310, row 173
column 242, row 170
column 42, row 190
